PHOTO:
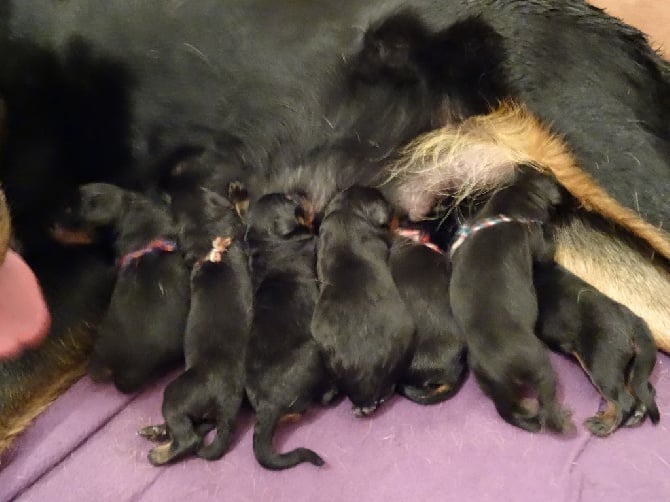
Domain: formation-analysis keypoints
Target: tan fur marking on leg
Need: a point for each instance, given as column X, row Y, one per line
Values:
column 620, row 272
column 480, row 154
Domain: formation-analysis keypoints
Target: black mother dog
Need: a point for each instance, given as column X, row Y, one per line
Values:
column 267, row 82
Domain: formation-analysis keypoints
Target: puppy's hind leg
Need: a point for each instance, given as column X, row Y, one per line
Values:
column 606, row 421
column 508, row 405
column 158, row 433
column 183, row 440
column 607, row 374
column 638, row 380
column 225, row 426
column 266, row 423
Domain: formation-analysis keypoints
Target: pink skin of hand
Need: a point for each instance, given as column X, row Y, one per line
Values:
column 24, row 317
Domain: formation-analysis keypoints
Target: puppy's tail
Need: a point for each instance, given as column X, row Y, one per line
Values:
column 642, row 365
column 266, row 423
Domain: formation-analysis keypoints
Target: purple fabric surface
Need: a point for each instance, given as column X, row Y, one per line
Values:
column 85, row 448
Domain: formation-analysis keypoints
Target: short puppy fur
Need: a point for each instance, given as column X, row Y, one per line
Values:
column 364, row 328
column 142, row 332
column 285, row 371
column 438, row 368
column 614, row 346
column 211, row 389
column 495, row 306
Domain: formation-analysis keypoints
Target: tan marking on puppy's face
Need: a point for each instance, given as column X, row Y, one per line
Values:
column 71, row 237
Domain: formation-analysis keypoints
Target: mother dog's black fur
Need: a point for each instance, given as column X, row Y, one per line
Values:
column 271, row 81
column 99, row 90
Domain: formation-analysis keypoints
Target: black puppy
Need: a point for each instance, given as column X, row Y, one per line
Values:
column 285, row 372
column 364, row 328
column 438, row 367
column 142, row 331
column 614, row 346
column 211, row 389
column 494, row 302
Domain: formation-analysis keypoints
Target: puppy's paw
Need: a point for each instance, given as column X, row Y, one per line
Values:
column 600, row 425
column 558, row 420
column 364, row 411
column 637, row 417
column 161, row 455
column 605, row 422
column 154, row 433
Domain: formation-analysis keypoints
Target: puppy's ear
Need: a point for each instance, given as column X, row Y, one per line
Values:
column 285, row 225
column 101, row 204
column 380, row 213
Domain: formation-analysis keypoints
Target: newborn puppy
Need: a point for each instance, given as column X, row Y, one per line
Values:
column 210, row 391
column 361, row 323
column 142, row 331
column 614, row 346
column 438, row 367
column 494, row 303
column 285, row 372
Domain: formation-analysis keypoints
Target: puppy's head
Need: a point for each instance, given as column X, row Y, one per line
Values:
column 97, row 205
column 279, row 216
column 367, row 203
column 543, row 188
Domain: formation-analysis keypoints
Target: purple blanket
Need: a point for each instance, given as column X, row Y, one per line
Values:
column 85, row 448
